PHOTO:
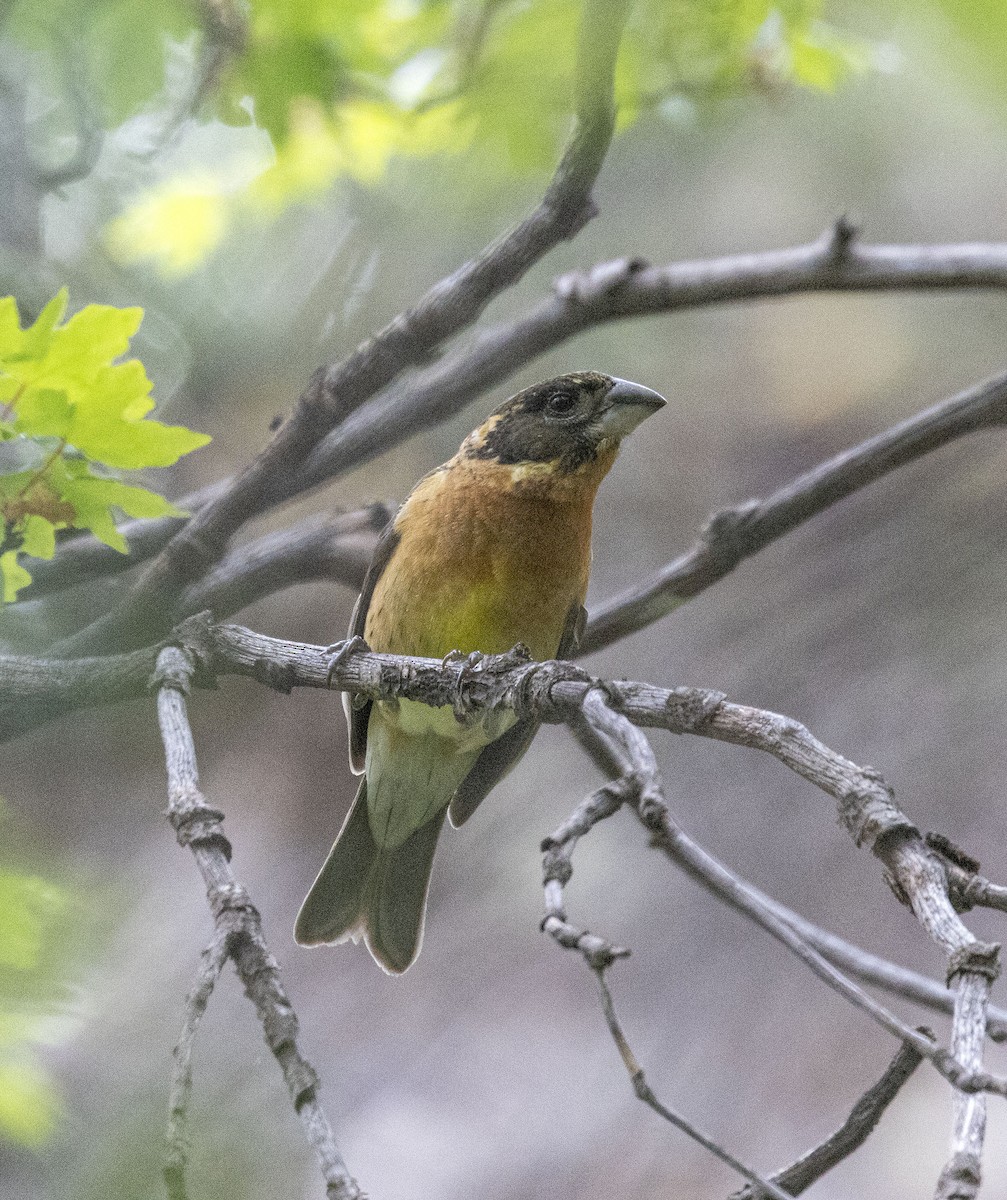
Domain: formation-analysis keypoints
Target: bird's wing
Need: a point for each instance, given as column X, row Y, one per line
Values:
column 501, row 755
column 358, row 716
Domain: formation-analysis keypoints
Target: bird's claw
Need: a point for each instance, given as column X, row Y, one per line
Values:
column 338, row 652
column 471, row 660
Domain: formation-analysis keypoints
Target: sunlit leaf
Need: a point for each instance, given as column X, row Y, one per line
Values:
column 66, row 394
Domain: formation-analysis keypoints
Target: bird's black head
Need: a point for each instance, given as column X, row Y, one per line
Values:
column 565, row 421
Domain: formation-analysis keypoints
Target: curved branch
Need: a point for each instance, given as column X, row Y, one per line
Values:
column 35, row 690
column 736, row 533
column 608, row 291
column 412, row 337
column 319, row 547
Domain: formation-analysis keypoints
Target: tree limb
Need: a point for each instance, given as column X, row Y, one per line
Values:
column 613, row 290
column 238, row 926
column 854, row 1131
column 736, row 533
column 628, row 288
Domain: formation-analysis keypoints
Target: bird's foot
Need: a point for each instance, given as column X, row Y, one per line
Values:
column 470, row 664
column 339, row 652
column 471, row 660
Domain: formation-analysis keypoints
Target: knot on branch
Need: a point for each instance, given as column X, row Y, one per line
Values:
column 960, row 1178
column 532, row 690
column 729, row 535
column 955, row 854
column 556, row 864
column 600, row 282
column 174, row 669
column 281, row 677
column 867, row 809
column 598, row 953
column 839, row 240
column 690, row 707
column 195, row 822
column 227, row 898
column 977, row 958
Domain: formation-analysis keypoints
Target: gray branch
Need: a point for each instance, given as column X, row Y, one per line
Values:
column 319, row 547
column 412, row 337
column 854, row 1131
column 608, row 291
column 736, row 533
column 211, row 963
column 629, row 288
column 554, row 692
column 238, row 935
column 619, row 749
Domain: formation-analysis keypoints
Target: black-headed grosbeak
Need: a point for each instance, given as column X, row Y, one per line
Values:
column 491, row 549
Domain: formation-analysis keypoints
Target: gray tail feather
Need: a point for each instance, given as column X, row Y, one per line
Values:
column 381, row 894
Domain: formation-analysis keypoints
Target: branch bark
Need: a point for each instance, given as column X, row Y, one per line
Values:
column 620, row 289
column 238, row 928
column 736, row 533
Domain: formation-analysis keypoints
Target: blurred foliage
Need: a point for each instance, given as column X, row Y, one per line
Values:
column 35, row 927
column 981, row 25
column 68, row 413
column 343, row 88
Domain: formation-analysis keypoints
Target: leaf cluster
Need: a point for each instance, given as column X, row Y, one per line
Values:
column 344, row 89
column 71, row 415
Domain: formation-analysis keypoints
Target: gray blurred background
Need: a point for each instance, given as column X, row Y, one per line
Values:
column 487, row 1070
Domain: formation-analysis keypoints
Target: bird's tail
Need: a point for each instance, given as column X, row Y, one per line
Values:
column 378, row 894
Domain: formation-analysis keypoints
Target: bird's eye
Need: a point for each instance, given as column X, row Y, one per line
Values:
column 561, row 404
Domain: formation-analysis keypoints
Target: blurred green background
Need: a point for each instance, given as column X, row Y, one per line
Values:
column 390, row 141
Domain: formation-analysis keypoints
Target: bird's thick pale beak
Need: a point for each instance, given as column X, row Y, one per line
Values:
column 626, row 405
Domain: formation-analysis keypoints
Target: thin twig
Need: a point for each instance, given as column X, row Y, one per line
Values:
column 643, row 1092
column 736, row 533
column 854, row 1131
column 620, row 750
column 177, row 1142
column 237, row 922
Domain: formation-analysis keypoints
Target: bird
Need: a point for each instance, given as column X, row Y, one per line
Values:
column 489, row 550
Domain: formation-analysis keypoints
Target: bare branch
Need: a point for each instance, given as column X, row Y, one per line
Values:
column 319, row 547
column 628, row 288
column 631, row 756
column 623, row 288
column 643, row 1092
column 854, row 1131
column 736, row 533
column 237, row 922
column 412, row 337
column 621, row 750
column 556, row 692
column 177, row 1143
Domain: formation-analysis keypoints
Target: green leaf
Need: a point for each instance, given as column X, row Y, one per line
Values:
column 15, row 577
column 39, row 537
column 94, row 498
column 108, row 425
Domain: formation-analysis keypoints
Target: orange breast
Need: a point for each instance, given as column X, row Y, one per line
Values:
column 487, row 557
